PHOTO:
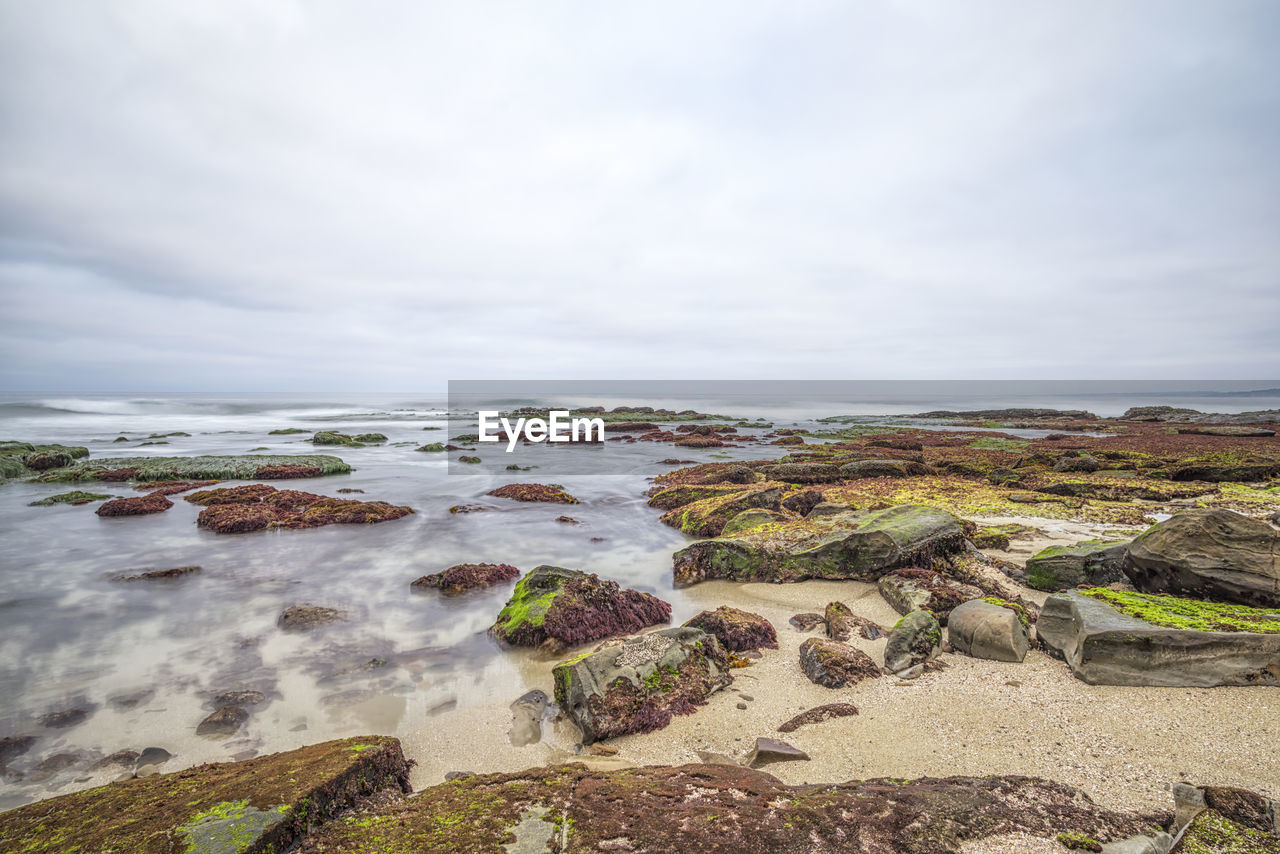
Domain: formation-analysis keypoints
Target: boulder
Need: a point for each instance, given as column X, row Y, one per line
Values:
column 708, row 516
column 224, row 721
column 802, row 472
column 770, row 750
column 802, row 502
column 817, row 715
column 1093, row 562
column 850, row 545
column 137, row 506
column 534, row 492
column 833, row 664
column 908, row 590
column 748, row 519
column 467, row 576
column 301, row 618
column 842, row 623
column 1104, row 646
column 637, row 685
column 1083, row 463
column 737, row 631
column 552, row 602
column 720, row 808
column 986, row 630
column 1208, row 554
column 883, row 468
column 913, row 640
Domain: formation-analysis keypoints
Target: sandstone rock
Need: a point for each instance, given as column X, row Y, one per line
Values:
column 861, row 546
column 915, row 639
column 1105, row 647
column 737, row 631
column 832, row 664
column 137, row 506
column 575, row 608
column 535, row 492
column 1094, row 562
column 636, row 686
column 908, row 590
column 1210, row 554
column 985, row 630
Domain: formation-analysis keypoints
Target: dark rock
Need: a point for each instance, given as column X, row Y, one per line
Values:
column 241, row 509
column 468, row 576
column 802, row 472
column 908, row 590
column 300, row 618
column 708, row 516
column 818, row 715
column 842, row 623
column 575, row 608
column 802, row 502
column 748, row 519
column 1209, row 554
column 12, row 746
column 986, row 630
column 159, row 574
column 1084, row 463
column 75, row 498
column 636, row 686
column 809, row 622
column 535, row 492
column 770, row 750
column 139, row 505
column 238, row 698
column 154, row 756
column 1093, row 562
column 835, row 665
column 1105, row 647
column 1237, row 432
column 51, row 765
column 1226, row 474
column 883, row 468
column 860, row 546
column 64, row 719
column 737, row 631
column 914, row 639
column 224, row 721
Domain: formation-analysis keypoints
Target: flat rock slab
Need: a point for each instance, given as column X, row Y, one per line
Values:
column 262, row 804
column 1105, row 647
column 715, row 808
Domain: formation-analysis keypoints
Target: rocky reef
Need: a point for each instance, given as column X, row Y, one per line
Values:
column 241, row 509
column 242, row 467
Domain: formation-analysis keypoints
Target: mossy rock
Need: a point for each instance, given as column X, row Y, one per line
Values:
column 573, row 608
column 75, row 497
column 432, row 448
column 330, row 437
column 287, row 431
column 707, row 517
column 262, row 804
column 19, row 459
column 679, row 496
column 241, row 467
column 1089, row 562
column 1178, row 613
column 1210, row 832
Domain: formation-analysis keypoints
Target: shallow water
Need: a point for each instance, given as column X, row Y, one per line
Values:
column 145, row 659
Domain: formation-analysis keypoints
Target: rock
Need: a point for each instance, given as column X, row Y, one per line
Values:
column 985, row 630
column 1226, row 473
column 243, row 806
column 737, row 631
column 1093, row 562
column 1212, row 833
column 154, row 756
column 817, row 715
column 832, row 664
column 137, row 506
column 1209, row 554
column 224, row 721
column 575, row 608
column 1235, row 432
column 915, row 639
column 802, row 502
column 567, row 520
column 158, row 574
column 64, row 719
column 1241, row 806
column 242, row 467
column 802, row 472
column 431, row 448
column 723, row 808
column 237, row 698
column 119, row 759
column 770, row 750
column 707, row 517
column 809, row 622
column 829, row 508
column 1083, row 463
column 697, row 441
column 841, row 624
column 851, row 545
column 636, row 686
column 908, row 590
column 74, row 498
column 467, row 576
column 1106, row 647
column 748, row 519
column 13, row 746
column 301, row 618
column 883, row 468
column 534, row 492
column 51, row 765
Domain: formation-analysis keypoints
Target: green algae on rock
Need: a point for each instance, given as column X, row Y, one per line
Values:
column 573, row 608
column 707, row 517
column 262, row 804
column 1177, row 613
column 852, row 545
column 74, row 498
column 18, row 459
column 241, row 467
column 1089, row 562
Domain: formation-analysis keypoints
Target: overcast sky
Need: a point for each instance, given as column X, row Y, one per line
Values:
column 387, row 195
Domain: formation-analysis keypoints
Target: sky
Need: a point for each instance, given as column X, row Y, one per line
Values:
column 231, row 195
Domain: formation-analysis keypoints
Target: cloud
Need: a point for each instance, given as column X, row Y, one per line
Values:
column 384, row 196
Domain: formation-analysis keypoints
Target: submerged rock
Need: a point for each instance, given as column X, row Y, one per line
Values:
column 707, row 517
column 1211, row 554
column 833, row 664
column 1104, row 646
column 1094, row 562
column 852, row 545
column 158, row 574
column 74, row 498
column 636, row 686
column 534, row 492
column 242, row 467
column 737, row 631
column 253, row 507
column 224, row 721
column 574, row 608
column 137, row 506
column 301, row 618
column 841, row 624
column 468, row 576
column 913, row 640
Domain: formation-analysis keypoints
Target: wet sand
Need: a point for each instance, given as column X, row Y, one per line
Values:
column 1123, row 746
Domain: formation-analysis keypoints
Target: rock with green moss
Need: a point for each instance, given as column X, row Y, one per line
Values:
column 639, row 684
column 1095, row 562
column 707, row 517
column 263, row 804
column 241, row 467
column 737, row 631
column 573, row 608
column 908, row 590
column 987, row 630
column 287, row 431
column 21, row 459
column 1210, row 554
column 76, row 497
column 1115, row 638
column 748, row 519
column 914, row 639
column 802, row 472
column 1210, row 832
column 432, row 448
column 850, row 545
